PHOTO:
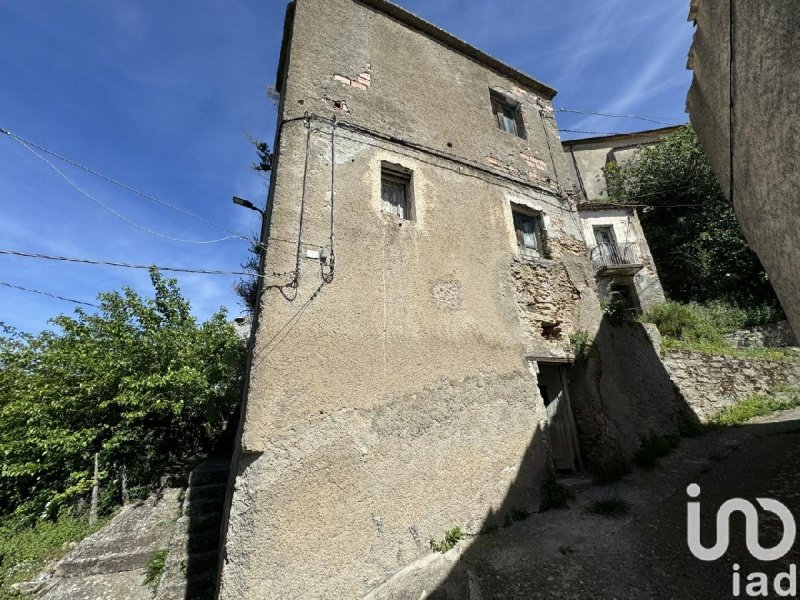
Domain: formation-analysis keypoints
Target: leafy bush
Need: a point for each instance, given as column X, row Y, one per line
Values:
column 612, row 506
column 140, row 382
column 581, row 344
column 554, row 494
column 451, row 538
column 682, row 322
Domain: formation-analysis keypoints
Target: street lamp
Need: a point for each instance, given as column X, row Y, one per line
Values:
column 247, row 204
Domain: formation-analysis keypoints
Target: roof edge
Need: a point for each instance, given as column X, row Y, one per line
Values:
column 623, row 136
column 459, row 45
column 587, row 206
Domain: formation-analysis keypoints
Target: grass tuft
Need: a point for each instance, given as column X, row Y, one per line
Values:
column 749, row 408
column 155, row 568
column 451, row 538
column 654, row 447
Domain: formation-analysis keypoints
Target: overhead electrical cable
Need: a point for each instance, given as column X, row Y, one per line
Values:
column 56, row 296
column 29, row 144
column 657, row 120
column 92, row 261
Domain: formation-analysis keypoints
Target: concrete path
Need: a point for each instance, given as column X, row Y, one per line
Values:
column 575, row 554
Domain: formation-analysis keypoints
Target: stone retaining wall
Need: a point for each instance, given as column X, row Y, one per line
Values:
column 709, row 382
column 772, row 335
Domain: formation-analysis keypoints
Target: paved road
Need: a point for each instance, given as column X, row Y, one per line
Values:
column 574, row 554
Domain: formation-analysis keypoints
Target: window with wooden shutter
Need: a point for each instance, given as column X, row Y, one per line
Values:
column 529, row 230
column 396, row 190
column 506, row 114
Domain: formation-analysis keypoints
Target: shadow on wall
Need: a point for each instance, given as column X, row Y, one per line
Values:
column 620, row 393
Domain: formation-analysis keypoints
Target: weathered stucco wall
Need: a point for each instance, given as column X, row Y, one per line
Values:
column 710, row 383
column 765, row 124
column 374, row 396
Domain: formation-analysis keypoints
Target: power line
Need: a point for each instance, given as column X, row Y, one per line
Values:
column 92, row 261
column 595, row 132
column 621, row 116
column 124, row 186
column 114, row 212
column 57, row 297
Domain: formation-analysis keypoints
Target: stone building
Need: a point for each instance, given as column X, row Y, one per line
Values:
column 617, row 245
column 746, row 63
column 425, row 268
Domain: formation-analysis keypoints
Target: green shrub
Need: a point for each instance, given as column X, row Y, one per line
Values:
column 139, row 381
column 653, row 448
column 451, row 538
column 683, row 322
column 554, row 494
column 612, row 506
column 581, row 344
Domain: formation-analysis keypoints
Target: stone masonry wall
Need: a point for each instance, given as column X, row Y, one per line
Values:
column 771, row 335
column 709, row 383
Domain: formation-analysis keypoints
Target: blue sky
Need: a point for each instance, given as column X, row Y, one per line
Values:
column 163, row 95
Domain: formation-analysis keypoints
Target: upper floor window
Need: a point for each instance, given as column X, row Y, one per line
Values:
column 529, row 228
column 507, row 114
column 396, row 192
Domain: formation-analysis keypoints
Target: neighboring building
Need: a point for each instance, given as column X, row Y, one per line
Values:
column 619, row 252
column 393, row 386
column 587, row 157
column 617, row 246
column 752, row 94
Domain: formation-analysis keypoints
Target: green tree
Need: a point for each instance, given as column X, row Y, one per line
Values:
column 140, row 381
column 692, row 231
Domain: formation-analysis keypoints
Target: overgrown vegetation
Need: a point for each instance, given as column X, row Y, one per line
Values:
column 451, row 538
column 140, row 382
column 155, row 568
column 754, row 406
column 653, row 448
column 691, row 229
column 580, row 343
column 701, row 327
column 554, row 494
column 613, row 506
column 25, row 549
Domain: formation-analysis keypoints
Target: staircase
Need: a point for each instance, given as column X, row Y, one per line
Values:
column 190, row 570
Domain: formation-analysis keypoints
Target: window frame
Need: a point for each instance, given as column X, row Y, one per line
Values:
column 393, row 174
column 521, row 214
column 501, row 105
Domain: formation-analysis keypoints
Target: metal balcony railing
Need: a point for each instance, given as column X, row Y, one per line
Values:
column 613, row 256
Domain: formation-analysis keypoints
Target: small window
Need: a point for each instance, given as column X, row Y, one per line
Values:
column 396, row 190
column 506, row 114
column 623, row 297
column 530, row 233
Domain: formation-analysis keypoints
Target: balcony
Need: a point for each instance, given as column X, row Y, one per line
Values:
column 611, row 259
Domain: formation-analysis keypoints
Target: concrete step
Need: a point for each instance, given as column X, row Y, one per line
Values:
column 210, row 491
column 212, row 471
